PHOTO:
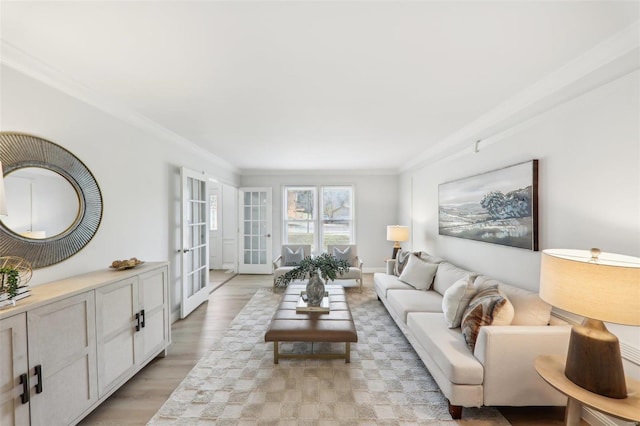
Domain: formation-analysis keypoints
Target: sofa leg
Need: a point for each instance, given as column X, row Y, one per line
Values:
column 455, row 411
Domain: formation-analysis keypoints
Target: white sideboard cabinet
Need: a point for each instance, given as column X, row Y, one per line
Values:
column 73, row 342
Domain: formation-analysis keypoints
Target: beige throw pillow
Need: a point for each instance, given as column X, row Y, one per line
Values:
column 485, row 309
column 418, row 274
column 456, row 299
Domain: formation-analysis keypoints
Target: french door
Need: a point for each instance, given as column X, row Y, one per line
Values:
column 195, row 241
column 255, row 231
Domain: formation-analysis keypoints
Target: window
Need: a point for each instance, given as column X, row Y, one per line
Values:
column 318, row 215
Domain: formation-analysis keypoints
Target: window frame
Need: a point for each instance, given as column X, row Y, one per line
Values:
column 317, row 219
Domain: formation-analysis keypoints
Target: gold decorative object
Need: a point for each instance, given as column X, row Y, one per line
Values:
column 19, row 264
column 126, row 264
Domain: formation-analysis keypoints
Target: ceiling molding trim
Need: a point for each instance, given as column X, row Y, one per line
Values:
column 546, row 93
column 314, row 172
column 21, row 61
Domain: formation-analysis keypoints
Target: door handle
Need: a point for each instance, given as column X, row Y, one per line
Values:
column 186, row 250
column 38, row 369
column 268, row 235
column 24, row 381
column 142, row 315
column 137, row 321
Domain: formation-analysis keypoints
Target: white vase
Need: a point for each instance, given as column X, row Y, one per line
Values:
column 315, row 290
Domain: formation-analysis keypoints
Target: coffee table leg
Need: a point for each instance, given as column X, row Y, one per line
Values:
column 275, row 352
column 347, row 355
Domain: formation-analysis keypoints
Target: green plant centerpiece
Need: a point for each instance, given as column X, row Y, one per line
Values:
column 9, row 278
column 322, row 267
column 14, row 273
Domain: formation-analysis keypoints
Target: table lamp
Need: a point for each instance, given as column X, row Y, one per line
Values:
column 600, row 287
column 3, row 197
column 397, row 234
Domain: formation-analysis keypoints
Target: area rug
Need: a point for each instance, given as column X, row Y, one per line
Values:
column 386, row 383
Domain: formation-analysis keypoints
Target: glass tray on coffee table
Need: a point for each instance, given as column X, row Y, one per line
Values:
column 302, row 306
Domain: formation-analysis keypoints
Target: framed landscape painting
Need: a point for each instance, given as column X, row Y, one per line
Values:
column 499, row 207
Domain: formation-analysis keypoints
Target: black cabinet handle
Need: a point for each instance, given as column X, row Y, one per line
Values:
column 38, row 369
column 142, row 313
column 24, row 381
column 137, row 322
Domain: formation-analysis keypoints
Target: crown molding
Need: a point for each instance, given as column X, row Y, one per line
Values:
column 318, row 172
column 21, row 61
column 605, row 62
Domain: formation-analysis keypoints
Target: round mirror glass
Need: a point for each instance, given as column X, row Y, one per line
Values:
column 40, row 203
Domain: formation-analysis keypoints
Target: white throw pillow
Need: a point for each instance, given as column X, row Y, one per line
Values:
column 456, row 299
column 293, row 258
column 418, row 274
column 344, row 255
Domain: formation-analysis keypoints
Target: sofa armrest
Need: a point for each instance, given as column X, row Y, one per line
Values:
column 359, row 262
column 508, row 354
column 391, row 266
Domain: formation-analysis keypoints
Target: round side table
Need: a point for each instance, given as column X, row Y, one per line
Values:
column 551, row 369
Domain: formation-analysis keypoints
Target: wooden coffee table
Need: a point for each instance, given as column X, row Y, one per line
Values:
column 333, row 326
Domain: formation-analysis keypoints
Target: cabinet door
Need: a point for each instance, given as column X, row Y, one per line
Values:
column 13, row 365
column 62, row 346
column 116, row 307
column 154, row 293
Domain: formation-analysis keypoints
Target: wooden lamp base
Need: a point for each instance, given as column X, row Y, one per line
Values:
column 594, row 361
column 396, row 247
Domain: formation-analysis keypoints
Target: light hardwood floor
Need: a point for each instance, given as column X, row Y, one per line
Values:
column 139, row 399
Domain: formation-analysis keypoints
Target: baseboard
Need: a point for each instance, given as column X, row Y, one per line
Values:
column 175, row 315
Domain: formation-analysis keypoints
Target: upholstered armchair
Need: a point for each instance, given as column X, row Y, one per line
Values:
column 348, row 252
column 290, row 257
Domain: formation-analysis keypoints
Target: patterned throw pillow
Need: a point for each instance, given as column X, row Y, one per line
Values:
column 293, row 258
column 488, row 307
column 402, row 258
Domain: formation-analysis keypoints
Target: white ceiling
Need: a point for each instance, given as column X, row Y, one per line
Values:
column 310, row 85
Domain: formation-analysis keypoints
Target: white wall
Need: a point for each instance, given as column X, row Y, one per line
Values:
column 375, row 208
column 138, row 174
column 589, row 188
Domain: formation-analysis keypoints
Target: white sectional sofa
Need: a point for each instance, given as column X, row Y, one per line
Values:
column 500, row 369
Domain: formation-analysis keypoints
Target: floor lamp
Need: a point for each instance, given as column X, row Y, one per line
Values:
column 397, row 234
column 600, row 287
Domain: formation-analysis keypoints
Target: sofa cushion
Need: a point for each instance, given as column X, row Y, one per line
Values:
column 402, row 302
column 485, row 309
column 418, row 273
column 293, row 258
column 447, row 275
column 446, row 347
column 456, row 299
column 384, row 282
column 529, row 308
